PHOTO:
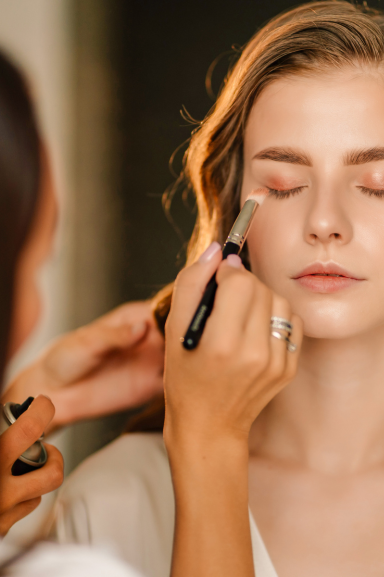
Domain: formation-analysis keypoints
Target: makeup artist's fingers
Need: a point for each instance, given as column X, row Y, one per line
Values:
column 80, row 352
column 189, row 288
column 278, row 347
column 281, row 309
column 257, row 330
column 21, row 510
column 234, row 297
column 74, row 355
column 128, row 314
column 297, row 339
column 36, row 483
column 25, row 431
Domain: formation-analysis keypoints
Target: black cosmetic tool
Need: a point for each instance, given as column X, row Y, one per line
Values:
column 232, row 245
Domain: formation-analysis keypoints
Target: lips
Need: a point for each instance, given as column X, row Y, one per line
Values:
column 326, row 278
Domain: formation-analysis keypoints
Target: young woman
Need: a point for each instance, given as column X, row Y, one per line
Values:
column 302, row 114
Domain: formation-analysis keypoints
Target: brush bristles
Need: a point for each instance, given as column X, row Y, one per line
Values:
column 258, row 195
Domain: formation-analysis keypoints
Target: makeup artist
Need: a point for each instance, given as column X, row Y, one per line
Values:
column 79, row 367
column 114, row 363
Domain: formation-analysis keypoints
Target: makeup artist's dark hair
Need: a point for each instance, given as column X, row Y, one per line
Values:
column 19, row 185
column 307, row 40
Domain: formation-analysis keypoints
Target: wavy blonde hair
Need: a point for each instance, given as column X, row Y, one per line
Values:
column 309, row 39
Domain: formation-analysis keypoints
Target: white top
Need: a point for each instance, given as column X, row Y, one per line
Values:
column 123, row 496
column 52, row 560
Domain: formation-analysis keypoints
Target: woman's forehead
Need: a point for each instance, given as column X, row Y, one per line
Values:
column 333, row 113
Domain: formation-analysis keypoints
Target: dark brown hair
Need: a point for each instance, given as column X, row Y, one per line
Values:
column 309, row 39
column 19, row 185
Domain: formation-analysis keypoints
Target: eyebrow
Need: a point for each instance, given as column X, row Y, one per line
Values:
column 280, row 154
column 354, row 157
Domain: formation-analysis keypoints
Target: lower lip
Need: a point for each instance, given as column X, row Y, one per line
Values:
column 326, row 284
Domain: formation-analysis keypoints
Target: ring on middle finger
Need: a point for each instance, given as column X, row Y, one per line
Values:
column 291, row 347
column 279, row 323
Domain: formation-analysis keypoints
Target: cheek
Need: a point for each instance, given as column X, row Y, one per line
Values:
column 270, row 243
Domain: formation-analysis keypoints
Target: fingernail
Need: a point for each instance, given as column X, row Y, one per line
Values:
column 210, row 252
column 234, row 260
column 45, row 397
column 138, row 328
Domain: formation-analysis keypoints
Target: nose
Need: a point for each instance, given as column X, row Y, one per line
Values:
column 327, row 218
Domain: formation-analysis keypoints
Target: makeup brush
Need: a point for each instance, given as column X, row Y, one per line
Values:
column 232, row 245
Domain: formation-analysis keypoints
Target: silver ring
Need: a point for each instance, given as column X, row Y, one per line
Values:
column 281, row 324
column 291, row 347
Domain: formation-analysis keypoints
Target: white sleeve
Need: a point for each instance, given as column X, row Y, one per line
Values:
column 123, row 497
column 72, row 523
column 52, row 560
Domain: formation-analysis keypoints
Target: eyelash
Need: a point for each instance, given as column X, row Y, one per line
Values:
column 281, row 194
column 372, row 191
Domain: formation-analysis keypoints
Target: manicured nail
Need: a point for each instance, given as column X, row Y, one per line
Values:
column 210, row 252
column 138, row 328
column 45, row 397
column 234, row 260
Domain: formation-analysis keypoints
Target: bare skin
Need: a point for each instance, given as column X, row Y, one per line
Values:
column 316, row 470
column 213, row 395
column 315, row 452
column 110, row 365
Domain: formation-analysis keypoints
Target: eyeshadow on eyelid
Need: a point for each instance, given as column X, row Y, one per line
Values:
column 279, row 183
column 375, row 180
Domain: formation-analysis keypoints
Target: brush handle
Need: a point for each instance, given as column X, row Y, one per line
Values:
column 195, row 330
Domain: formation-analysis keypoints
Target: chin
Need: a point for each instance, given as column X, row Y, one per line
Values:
column 327, row 332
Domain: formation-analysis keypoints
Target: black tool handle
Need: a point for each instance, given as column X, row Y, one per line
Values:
column 21, row 468
column 18, row 410
column 195, row 330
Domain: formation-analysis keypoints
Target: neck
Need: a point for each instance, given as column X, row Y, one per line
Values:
column 331, row 416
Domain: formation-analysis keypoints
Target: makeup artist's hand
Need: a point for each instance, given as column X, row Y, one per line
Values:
column 19, row 496
column 213, row 394
column 222, row 385
column 112, row 364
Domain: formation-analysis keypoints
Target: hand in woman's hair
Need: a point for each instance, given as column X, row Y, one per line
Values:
column 20, row 495
column 110, row 365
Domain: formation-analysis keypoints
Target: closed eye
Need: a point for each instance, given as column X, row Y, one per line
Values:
column 281, row 194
